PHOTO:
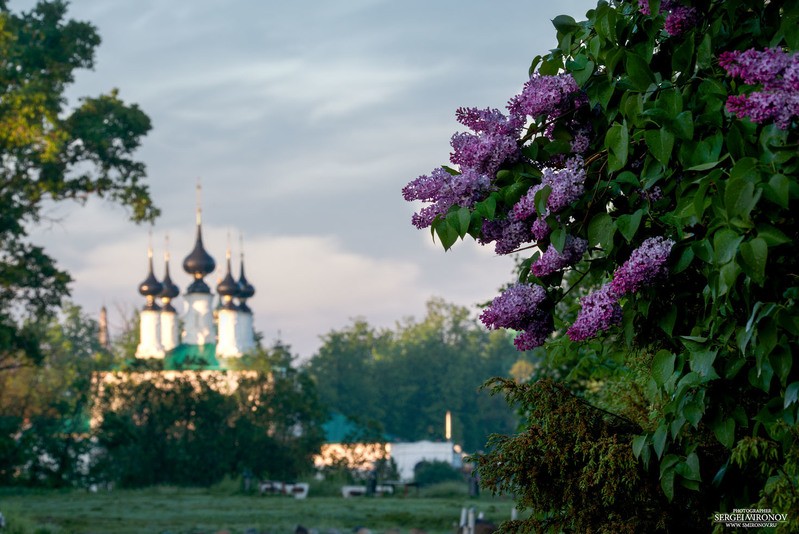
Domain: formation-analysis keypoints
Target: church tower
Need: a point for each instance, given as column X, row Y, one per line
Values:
column 228, row 316
column 245, row 333
column 150, row 316
column 169, row 320
column 199, row 318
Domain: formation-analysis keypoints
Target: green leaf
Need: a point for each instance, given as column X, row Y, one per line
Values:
column 683, row 56
column 639, row 72
column 692, row 461
column 565, row 23
column 628, row 224
column 618, row 143
column 662, row 366
column 724, row 429
column 558, row 239
column 725, row 245
column 667, row 483
column 693, row 413
column 791, row 394
column 660, row 143
column 638, row 444
column 740, row 198
column 702, row 363
column 446, row 233
column 667, row 320
column 777, row 190
column 659, row 439
column 464, row 218
column 601, row 230
column 683, row 125
column 771, row 235
column 755, row 254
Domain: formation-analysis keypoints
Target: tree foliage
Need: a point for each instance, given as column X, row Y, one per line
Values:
column 157, row 428
column 652, row 174
column 405, row 380
column 49, row 154
column 43, row 409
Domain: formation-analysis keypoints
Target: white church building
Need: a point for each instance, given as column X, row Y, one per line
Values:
column 211, row 331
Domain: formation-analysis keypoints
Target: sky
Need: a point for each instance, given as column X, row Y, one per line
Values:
column 302, row 121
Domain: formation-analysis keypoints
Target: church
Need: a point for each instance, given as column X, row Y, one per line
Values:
column 207, row 334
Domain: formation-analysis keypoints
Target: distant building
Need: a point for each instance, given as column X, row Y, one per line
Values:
column 209, row 335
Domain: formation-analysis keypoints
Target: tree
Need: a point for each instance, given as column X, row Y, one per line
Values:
column 44, row 409
column 158, row 427
column 403, row 381
column 647, row 170
column 50, row 153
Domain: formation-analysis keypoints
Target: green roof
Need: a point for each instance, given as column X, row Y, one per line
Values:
column 192, row 357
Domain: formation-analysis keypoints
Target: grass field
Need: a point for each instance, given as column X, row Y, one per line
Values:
column 182, row 510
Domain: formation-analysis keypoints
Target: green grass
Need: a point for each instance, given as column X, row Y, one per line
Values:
column 189, row 510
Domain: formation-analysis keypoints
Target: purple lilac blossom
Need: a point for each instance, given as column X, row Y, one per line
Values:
column 600, row 310
column 778, row 72
column 515, row 307
column 444, row 191
column 493, row 142
column 680, row 19
column 525, row 207
column 552, row 260
column 756, row 66
column 483, row 153
column 540, row 229
column 506, row 235
column 566, row 185
column 520, row 308
column 534, row 335
column 543, row 95
column 646, row 264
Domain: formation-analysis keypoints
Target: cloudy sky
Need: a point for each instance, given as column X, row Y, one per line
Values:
column 303, row 120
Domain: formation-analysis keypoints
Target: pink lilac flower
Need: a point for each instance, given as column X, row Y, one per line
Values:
column 520, row 307
column 544, row 95
column 777, row 72
column 552, row 260
column 600, row 310
column 444, row 191
column 646, row 264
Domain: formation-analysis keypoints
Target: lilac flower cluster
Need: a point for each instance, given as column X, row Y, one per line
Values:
column 778, row 72
column 646, row 264
column 552, row 260
column 479, row 156
column 493, row 142
column 679, row 18
column 444, row 190
column 544, row 95
column 600, row 309
column 506, row 235
column 520, row 307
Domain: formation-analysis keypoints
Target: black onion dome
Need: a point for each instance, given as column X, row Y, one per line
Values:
column 199, row 263
column 228, row 287
column 170, row 289
column 151, row 287
column 246, row 290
